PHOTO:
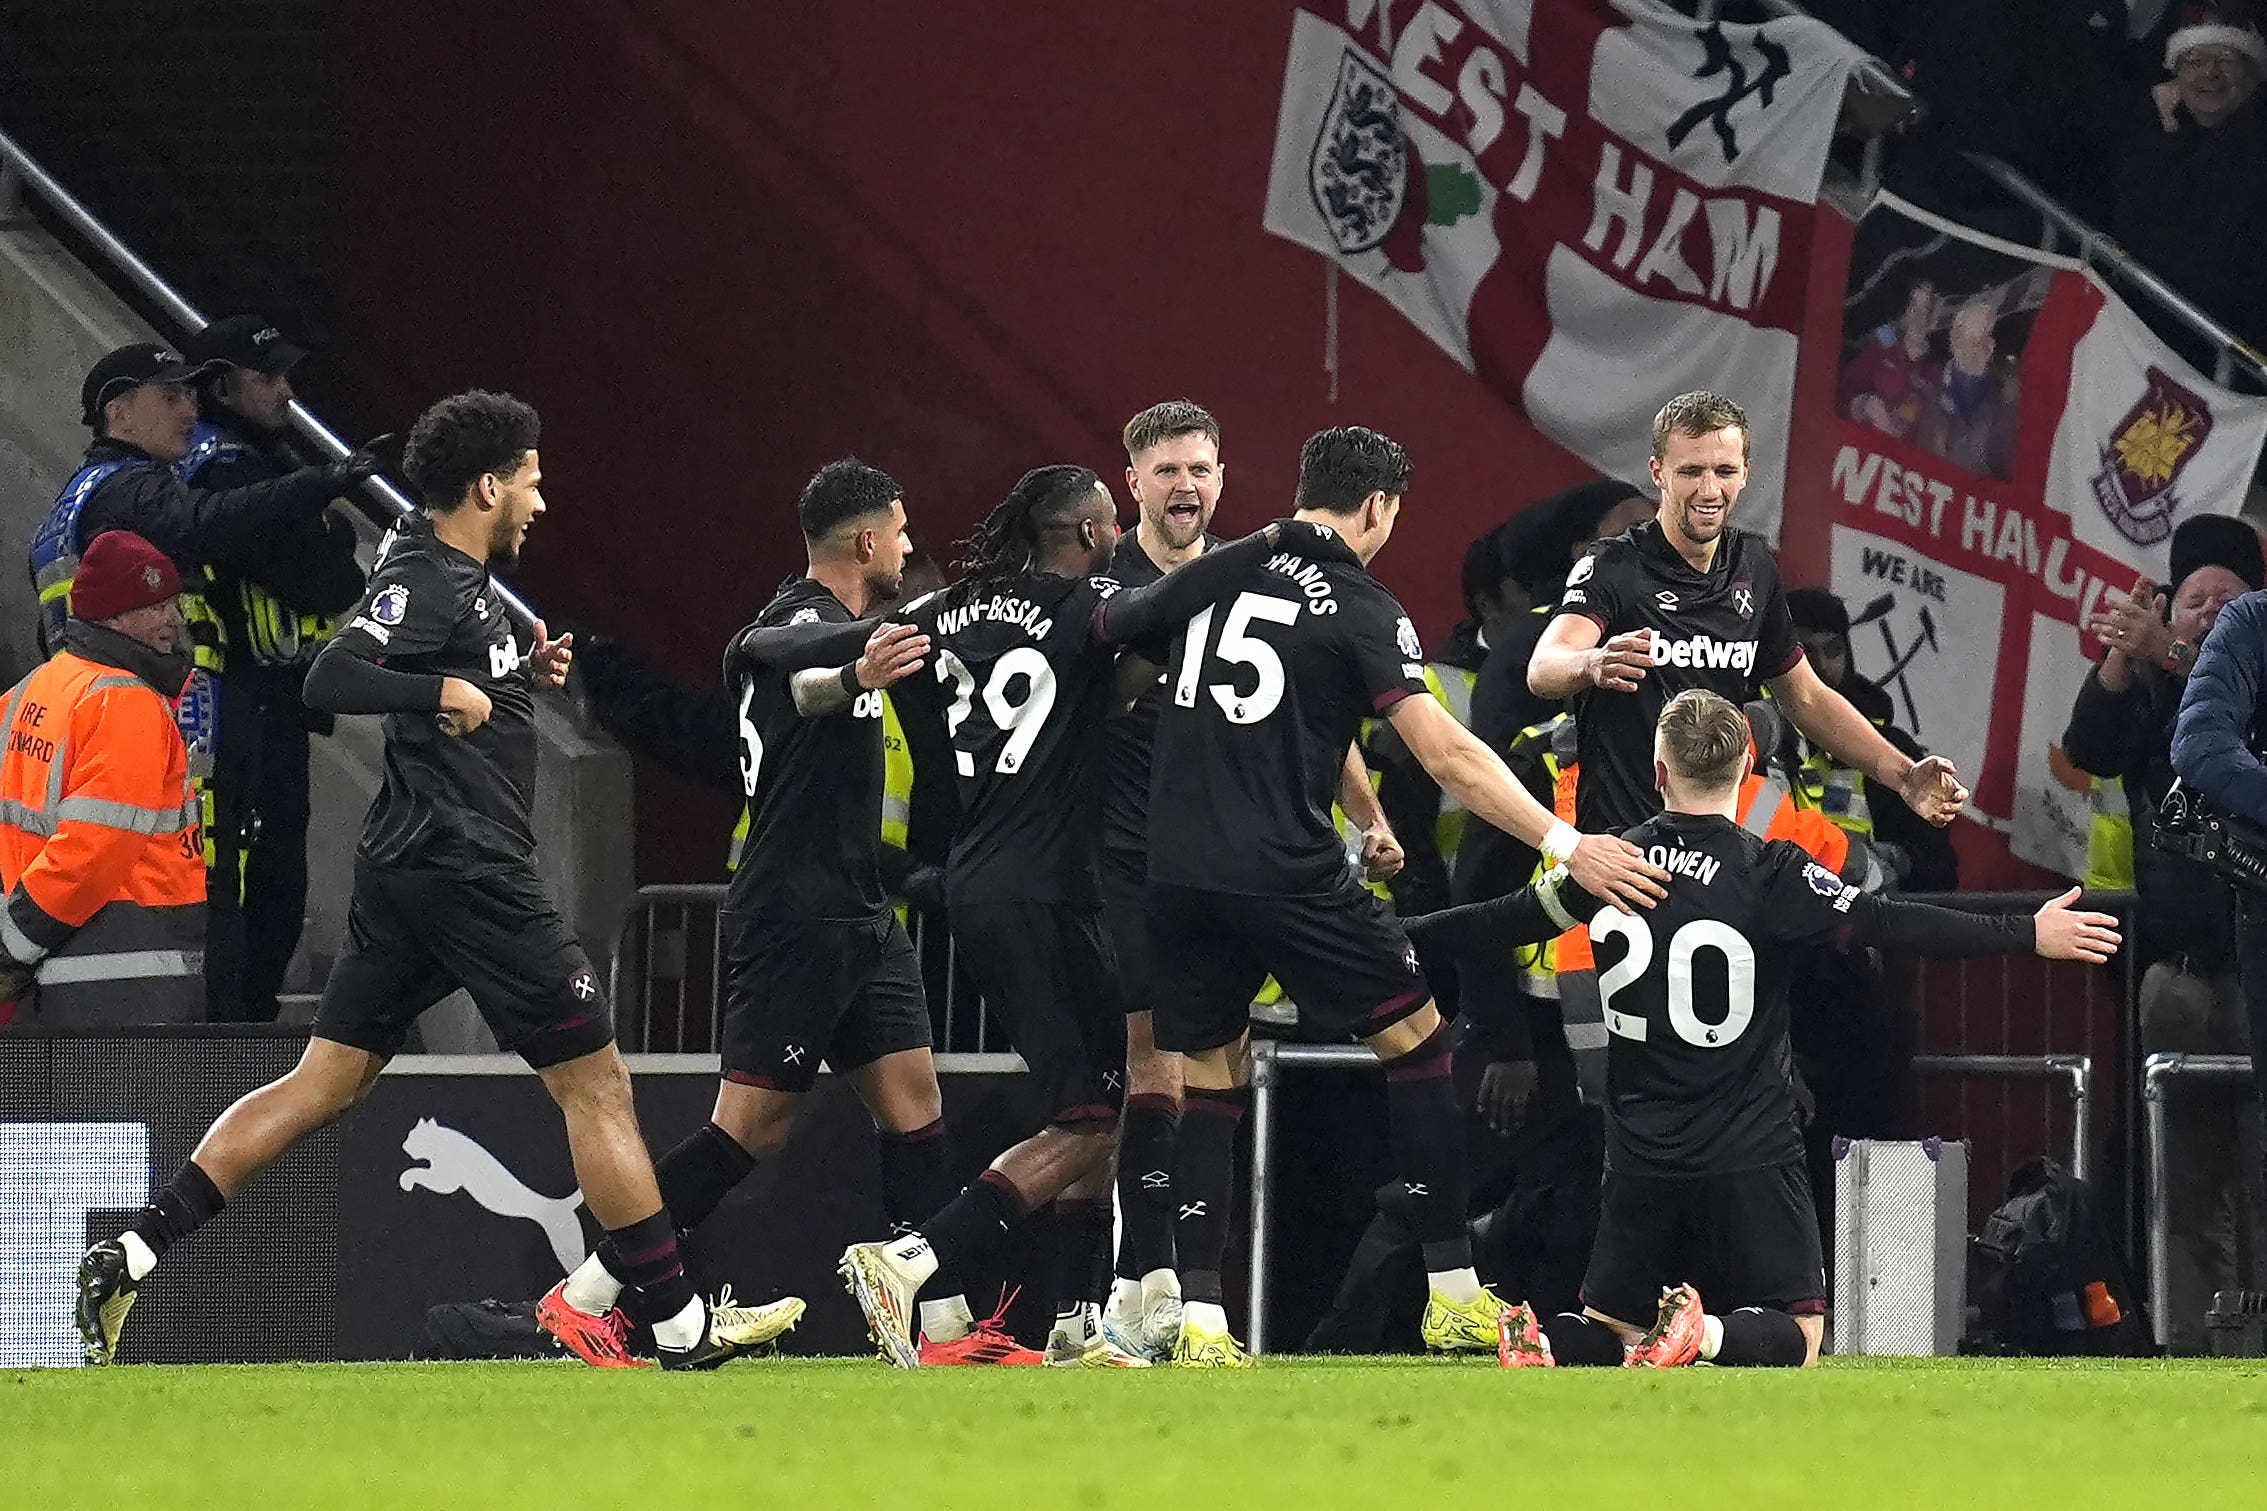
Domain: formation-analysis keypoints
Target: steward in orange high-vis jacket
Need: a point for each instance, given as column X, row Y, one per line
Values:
column 103, row 922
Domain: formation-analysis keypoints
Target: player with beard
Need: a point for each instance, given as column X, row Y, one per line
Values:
column 817, row 966
column 1025, row 646
column 445, row 889
column 1706, row 1191
column 1175, row 475
column 1248, row 875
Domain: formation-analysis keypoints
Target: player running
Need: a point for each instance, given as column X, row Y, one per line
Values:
column 1248, row 876
column 1706, row 1191
column 1025, row 648
column 816, row 965
column 445, row 889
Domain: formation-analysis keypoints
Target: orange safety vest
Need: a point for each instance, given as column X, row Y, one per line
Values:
column 1827, row 842
column 101, row 851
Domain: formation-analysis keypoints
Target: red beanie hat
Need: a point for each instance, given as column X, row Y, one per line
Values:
column 119, row 573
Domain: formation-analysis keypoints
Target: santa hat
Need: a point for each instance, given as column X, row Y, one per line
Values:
column 119, row 573
column 2228, row 24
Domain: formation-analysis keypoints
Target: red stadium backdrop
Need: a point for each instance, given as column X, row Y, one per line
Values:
column 717, row 249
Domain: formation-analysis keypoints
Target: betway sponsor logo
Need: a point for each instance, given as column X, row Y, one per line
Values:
column 1703, row 651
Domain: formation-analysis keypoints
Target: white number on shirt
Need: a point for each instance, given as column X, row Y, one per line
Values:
column 1020, row 719
column 751, row 744
column 1237, row 647
column 1687, row 942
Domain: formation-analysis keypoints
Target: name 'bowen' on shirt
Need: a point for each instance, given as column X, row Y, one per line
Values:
column 1678, row 862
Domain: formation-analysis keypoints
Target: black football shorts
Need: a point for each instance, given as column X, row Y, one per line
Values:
column 1046, row 969
column 1341, row 956
column 1744, row 1238
column 1125, row 914
column 414, row 935
column 798, row 991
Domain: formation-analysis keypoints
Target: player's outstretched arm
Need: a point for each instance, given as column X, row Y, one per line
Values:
column 1601, row 865
column 798, row 647
column 1929, row 786
column 893, row 652
column 1569, row 659
column 1544, row 909
column 1188, row 590
column 2055, row 932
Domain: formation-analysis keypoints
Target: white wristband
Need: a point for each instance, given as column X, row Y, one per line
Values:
column 1559, row 841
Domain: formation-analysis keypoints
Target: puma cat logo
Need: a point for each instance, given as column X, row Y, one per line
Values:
column 454, row 1162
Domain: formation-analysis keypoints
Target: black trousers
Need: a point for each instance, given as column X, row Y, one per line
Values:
column 2251, row 975
column 257, row 886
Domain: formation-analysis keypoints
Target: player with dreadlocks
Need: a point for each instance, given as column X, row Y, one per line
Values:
column 1025, row 650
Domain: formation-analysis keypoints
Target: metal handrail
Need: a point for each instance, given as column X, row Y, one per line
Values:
column 2098, row 250
column 384, row 504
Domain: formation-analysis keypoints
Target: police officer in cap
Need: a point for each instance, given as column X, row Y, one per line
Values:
column 276, row 606
column 140, row 403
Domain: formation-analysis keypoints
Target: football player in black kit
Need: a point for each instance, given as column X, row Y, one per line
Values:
column 1025, row 646
column 1174, row 473
column 1248, row 876
column 816, row 966
column 445, row 889
column 1687, row 601
column 1706, row 1190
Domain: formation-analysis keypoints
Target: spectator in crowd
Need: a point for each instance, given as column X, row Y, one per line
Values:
column 1890, row 384
column 1971, row 422
column 103, row 921
column 140, row 402
column 2192, row 193
column 276, row 606
column 2121, row 730
column 1921, row 853
column 1535, row 551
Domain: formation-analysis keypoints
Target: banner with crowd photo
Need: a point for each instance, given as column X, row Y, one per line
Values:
column 2013, row 445
column 1591, row 205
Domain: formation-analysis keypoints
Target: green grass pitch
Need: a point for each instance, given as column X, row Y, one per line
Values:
column 1296, row 1433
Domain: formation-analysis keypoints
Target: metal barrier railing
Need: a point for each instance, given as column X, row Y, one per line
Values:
column 2076, row 1069
column 2158, row 1075
column 1270, row 1059
column 2022, row 1018
column 383, row 504
column 667, row 963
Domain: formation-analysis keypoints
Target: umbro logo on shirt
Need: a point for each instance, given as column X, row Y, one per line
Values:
column 1667, row 600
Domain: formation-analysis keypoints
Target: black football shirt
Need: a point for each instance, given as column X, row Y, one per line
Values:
column 1023, row 686
column 1264, row 693
column 1726, row 630
column 1699, row 1071
column 460, row 802
column 1132, row 736
column 814, row 786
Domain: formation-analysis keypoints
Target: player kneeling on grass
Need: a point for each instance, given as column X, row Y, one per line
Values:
column 1706, row 1192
